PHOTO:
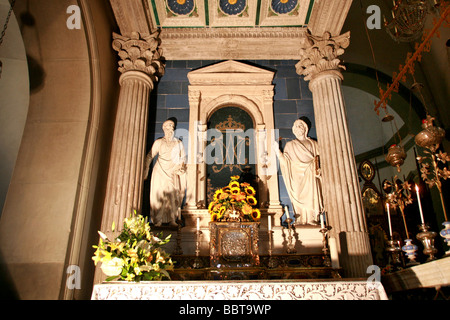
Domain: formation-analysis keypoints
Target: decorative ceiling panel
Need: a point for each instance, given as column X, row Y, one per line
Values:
column 229, row 13
column 232, row 13
column 178, row 13
column 285, row 12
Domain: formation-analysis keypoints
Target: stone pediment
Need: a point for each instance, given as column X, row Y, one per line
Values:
column 231, row 73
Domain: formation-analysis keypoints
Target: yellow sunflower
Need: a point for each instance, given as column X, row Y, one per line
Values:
column 256, row 214
column 211, row 205
column 235, row 177
column 250, row 191
column 217, row 194
column 235, row 190
column 251, row 200
column 233, row 184
column 221, row 211
column 214, row 217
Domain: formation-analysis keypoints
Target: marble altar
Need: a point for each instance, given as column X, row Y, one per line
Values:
column 240, row 290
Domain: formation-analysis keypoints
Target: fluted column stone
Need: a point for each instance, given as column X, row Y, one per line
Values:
column 342, row 197
column 141, row 66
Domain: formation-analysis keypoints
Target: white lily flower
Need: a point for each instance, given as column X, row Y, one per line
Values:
column 102, row 235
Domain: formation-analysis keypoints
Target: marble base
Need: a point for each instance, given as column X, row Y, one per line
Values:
column 239, row 290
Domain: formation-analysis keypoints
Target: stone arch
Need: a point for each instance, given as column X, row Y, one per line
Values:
column 233, row 100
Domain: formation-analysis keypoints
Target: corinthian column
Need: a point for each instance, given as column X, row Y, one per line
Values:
column 342, row 197
column 141, row 67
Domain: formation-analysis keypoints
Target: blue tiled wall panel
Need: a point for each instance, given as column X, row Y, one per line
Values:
column 292, row 100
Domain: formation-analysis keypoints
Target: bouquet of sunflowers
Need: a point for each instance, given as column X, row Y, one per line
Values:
column 234, row 202
column 135, row 255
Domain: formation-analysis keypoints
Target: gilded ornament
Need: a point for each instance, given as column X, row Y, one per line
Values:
column 430, row 136
column 396, row 156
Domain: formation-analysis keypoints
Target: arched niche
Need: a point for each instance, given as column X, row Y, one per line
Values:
column 231, row 83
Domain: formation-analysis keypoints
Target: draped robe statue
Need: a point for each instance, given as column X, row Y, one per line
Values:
column 168, row 181
column 301, row 174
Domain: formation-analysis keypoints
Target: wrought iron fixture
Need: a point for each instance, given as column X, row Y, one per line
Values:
column 408, row 19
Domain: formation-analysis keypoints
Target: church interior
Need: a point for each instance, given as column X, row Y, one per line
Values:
column 87, row 88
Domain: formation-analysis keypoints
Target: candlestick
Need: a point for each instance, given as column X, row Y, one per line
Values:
column 389, row 219
column 395, row 252
column 325, row 249
column 420, row 204
column 427, row 238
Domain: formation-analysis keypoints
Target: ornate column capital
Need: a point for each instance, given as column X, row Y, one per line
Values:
column 140, row 53
column 319, row 54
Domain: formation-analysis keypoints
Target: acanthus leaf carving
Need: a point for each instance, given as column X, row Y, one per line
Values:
column 319, row 54
column 140, row 53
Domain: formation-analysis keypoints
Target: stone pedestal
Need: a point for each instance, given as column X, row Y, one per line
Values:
column 342, row 196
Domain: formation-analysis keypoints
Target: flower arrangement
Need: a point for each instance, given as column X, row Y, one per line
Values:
column 135, row 255
column 234, row 202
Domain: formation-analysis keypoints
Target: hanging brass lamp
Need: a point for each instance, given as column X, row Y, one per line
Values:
column 430, row 137
column 396, row 156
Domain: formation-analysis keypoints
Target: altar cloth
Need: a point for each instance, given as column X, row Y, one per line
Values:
column 241, row 290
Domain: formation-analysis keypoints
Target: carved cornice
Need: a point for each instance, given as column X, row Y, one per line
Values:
column 140, row 53
column 231, row 43
column 319, row 54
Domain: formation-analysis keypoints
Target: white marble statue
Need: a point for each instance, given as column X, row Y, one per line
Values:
column 168, row 180
column 299, row 163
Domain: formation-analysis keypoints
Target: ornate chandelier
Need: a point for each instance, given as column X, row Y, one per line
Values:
column 408, row 19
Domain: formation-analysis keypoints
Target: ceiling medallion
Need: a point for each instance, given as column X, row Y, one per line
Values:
column 181, row 7
column 232, row 7
column 283, row 6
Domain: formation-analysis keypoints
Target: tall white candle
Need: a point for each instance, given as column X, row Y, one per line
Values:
column 286, row 212
column 322, row 224
column 420, row 204
column 269, row 222
column 334, row 255
column 389, row 219
column 198, row 224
